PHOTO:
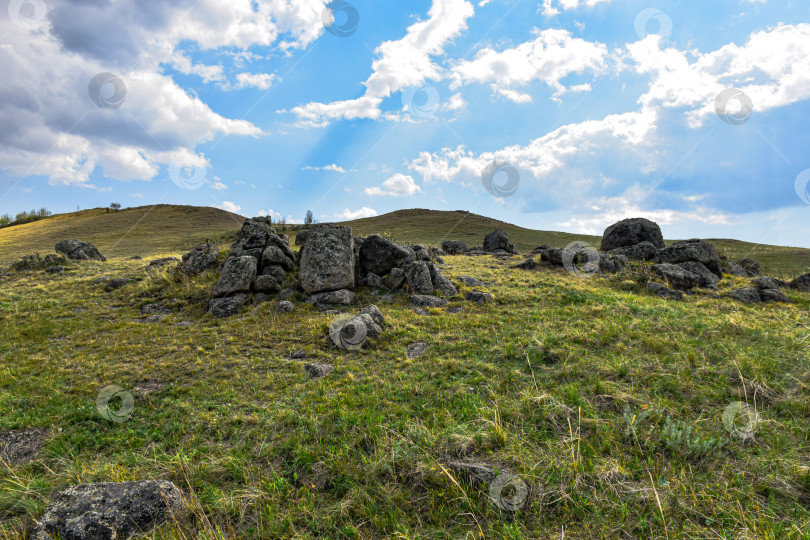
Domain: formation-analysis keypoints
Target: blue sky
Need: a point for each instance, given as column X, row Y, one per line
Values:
column 601, row 109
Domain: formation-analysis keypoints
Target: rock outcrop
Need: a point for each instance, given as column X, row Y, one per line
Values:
column 327, row 259
column 631, row 232
column 78, row 250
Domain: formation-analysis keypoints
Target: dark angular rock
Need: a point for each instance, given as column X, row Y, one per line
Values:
column 454, row 247
column 58, row 269
column 319, row 370
column 110, row 510
column 748, row 295
column 763, row 283
column 630, row 232
column 375, row 314
column 774, row 295
column 266, row 284
column 664, row 292
column 285, row 306
column 707, row 279
column 753, row 266
column 498, row 239
column 643, row 251
column 471, row 281
column 286, row 294
column 198, row 260
column 373, row 280
column 21, row 446
column 301, row 237
column 801, row 283
column 79, row 251
column 228, row 306
column 253, row 235
column 441, row 283
column 160, row 263
column 553, row 256
column 117, row 283
column 394, row 279
column 327, row 259
column 528, row 264
column 418, row 275
column 478, row 297
column 677, row 277
column 422, row 300
column 691, row 250
column 238, row 275
column 613, row 264
column 343, row 297
column 379, row 255
column 277, row 272
column 735, row 270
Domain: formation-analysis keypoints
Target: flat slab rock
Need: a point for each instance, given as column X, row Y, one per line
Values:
column 423, row 300
column 21, row 446
column 108, row 510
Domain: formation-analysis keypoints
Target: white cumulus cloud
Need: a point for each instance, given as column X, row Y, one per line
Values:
column 399, row 185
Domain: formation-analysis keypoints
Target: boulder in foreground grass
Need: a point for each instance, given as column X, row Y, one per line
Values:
column 498, row 240
column 801, row 283
column 21, row 446
column 198, row 260
column 423, row 300
column 237, row 276
column 108, row 510
column 228, row 306
column 630, row 232
column 677, row 277
column 454, row 247
column 643, row 251
column 478, row 297
column 79, row 250
column 664, row 292
column 691, row 250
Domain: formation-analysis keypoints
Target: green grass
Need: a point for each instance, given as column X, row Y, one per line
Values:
column 599, row 396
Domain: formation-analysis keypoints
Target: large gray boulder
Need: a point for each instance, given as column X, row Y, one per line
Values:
column 677, row 277
column 394, row 279
column 643, row 251
column 379, row 255
column 454, row 247
column 630, row 232
column 498, row 240
column 228, row 306
column 707, row 279
column 747, row 295
column 327, row 259
column 801, row 283
column 441, row 283
column 691, row 250
column 426, row 300
column 198, row 260
column 79, row 250
column 753, row 266
column 237, row 276
column 108, row 510
column 418, row 275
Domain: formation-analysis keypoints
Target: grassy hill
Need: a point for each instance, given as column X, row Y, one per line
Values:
column 144, row 231
column 605, row 401
column 169, row 229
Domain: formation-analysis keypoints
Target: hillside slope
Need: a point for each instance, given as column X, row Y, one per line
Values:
column 170, row 229
column 144, row 231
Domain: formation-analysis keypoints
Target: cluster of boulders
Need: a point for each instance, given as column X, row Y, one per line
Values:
column 76, row 250
column 259, row 262
column 495, row 243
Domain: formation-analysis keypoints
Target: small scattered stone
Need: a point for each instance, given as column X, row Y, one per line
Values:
column 228, row 306
column 416, row 349
column 286, row 294
column 319, row 370
column 664, row 292
column 478, row 297
column 21, row 446
column 764, row 283
column 58, row 269
column 184, row 324
column 748, row 295
column 774, row 295
column 471, row 281
column 298, row 355
column 117, row 283
column 455, row 309
column 285, row 307
column 423, row 300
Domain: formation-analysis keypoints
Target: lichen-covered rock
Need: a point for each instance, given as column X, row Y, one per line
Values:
column 664, row 292
column 266, row 284
column 237, row 276
column 708, row 280
column 471, row 281
column 343, row 297
column 379, row 255
column 273, row 255
column 748, row 295
column 394, row 279
column 753, row 266
column 763, row 283
column 630, row 232
column 801, row 283
column 691, row 250
column 198, row 260
column 774, row 295
column 498, row 240
column 478, row 297
column 441, row 283
column 109, row 510
column 423, row 300
column 228, row 306
column 611, row 263
column 418, row 275
column 735, row 270
column 327, row 259
column 454, row 247
column 643, row 251
column 677, row 277
column 78, row 250
column 285, row 306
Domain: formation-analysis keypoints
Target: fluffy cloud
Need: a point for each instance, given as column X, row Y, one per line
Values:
column 403, row 63
column 399, row 185
column 551, row 56
column 364, row 212
column 549, row 9
column 228, row 206
column 51, row 126
column 332, row 167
